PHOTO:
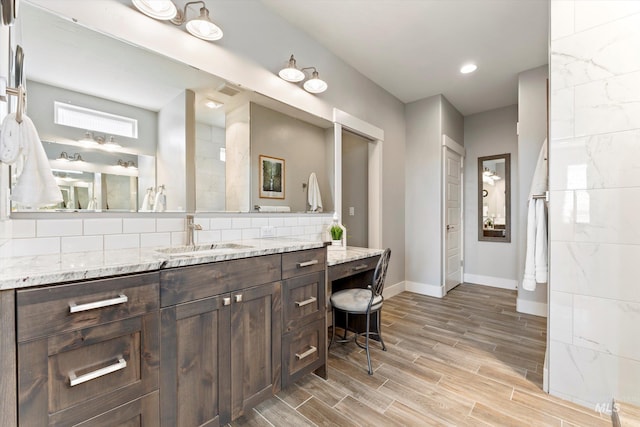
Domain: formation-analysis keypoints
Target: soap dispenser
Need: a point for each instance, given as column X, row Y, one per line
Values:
column 338, row 235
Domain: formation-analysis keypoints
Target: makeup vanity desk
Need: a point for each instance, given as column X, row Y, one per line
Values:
column 352, row 268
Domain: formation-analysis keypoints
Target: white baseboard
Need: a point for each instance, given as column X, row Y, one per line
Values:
column 531, row 307
column 393, row 290
column 494, row 282
column 424, row 289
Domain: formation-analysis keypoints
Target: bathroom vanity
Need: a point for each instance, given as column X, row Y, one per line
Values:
column 184, row 340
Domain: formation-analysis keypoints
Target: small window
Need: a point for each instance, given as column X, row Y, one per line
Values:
column 93, row 120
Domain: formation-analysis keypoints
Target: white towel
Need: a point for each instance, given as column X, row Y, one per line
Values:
column 313, row 194
column 146, row 202
column 536, row 268
column 263, row 208
column 160, row 203
column 35, row 186
column 10, row 141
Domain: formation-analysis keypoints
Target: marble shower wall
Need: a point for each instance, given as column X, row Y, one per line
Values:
column 594, row 219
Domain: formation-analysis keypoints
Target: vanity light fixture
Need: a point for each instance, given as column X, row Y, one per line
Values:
column 165, row 10
column 127, row 164
column 293, row 74
column 468, row 68
column 101, row 141
column 76, row 157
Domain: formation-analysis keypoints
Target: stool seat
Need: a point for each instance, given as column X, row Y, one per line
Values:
column 355, row 300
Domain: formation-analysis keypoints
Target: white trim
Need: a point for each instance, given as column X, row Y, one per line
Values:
column 453, row 145
column 357, row 125
column 337, row 165
column 494, row 282
column 424, row 289
column 375, row 194
column 531, row 307
column 393, row 290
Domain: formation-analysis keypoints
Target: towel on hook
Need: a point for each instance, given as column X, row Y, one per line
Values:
column 160, row 203
column 313, row 194
column 35, row 186
column 536, row 267
column 147, row 202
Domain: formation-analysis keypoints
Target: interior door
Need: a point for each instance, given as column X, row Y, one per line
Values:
column 453, row 233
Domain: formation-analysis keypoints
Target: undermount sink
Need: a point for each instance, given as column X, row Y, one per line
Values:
column 211, row 248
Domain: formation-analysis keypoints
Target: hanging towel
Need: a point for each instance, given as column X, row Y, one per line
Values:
column 160, row 203
column 313, row 194
column 10, row 143
column 145, row 202
column 35, row 186
column 536, row 268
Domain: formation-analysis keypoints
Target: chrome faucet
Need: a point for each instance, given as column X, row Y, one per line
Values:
column 191, row 226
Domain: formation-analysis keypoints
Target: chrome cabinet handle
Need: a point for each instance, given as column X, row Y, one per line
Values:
column 306, row 302
column 360, row 267
column 74, row 380
column 226, row 301
column 237, row 298
column 306, row 353
column 75, row 308
column 307, row 263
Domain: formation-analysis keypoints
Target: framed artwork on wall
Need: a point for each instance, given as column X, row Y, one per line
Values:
column 271, row 177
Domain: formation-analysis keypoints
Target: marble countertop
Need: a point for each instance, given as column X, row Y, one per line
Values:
column 351, row 254
column 22, row 272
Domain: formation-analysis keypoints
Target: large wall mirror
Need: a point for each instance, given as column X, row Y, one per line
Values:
column 494, row 198
column 121, row 124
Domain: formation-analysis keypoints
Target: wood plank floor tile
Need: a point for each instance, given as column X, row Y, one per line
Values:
column 468, row 359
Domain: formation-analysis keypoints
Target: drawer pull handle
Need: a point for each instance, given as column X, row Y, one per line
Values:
column 74, row 308
column 306, row 353
column 360, row 267
column 306, row 302
column 119, row 365
column 307, row 263
column 226, row 301
column 238, row 298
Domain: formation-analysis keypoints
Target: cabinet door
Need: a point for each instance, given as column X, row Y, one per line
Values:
column 195, row 363
column 256, row 337
column 142, row 412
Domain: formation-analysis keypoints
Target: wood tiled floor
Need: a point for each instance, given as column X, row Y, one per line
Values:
column 468, row 359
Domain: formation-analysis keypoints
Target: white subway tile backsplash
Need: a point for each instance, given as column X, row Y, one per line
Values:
column 82, row 244
column 228, row 235
column 259, row 222
column 121, row 241
column 283, row 232
column 250, row 233
column 37, row 246
column 203, row 222
column 170, row 224
column 240, row 223
column 220, row 224
column 102, row 226
column 276, row 222
column 179, row 238
column 24, row 228
column 291, row 221
column 58, row 227
column 138, row 225
column 149, row 240
column 208, row 236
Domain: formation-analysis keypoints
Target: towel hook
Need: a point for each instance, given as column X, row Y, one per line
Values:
column 18, row 92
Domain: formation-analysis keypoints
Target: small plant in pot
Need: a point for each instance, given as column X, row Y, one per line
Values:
column 336, row 234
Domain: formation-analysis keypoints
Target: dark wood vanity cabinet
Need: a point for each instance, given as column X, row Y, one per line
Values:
column 220, row 354
column 87, row 349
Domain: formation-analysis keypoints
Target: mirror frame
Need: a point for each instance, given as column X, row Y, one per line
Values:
column 507, row 189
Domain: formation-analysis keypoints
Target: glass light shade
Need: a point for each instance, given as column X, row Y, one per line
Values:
column 315, row 85
column 163, row 10
column 291, row 73
column 468, row 68
column 203, row 28
column 88, row 139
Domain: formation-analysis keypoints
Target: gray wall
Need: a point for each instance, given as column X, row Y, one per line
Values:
column 426, row 121
column 532, row 119
column 210, row 170
column 486, row 134
column 355, row 188
column 301, row 145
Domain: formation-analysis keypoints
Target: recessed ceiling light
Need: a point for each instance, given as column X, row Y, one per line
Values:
column 468, row 68
column 213, row 104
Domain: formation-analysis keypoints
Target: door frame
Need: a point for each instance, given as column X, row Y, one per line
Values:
column 449, row 144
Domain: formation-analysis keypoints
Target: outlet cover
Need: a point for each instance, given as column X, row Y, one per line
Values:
column 267, row 231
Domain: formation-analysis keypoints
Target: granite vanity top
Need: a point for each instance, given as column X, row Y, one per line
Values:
column 22, row 272
column 351, row 254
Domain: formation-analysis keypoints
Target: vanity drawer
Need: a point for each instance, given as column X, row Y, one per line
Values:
column 71, row 377
column 339, row 271
column 303, row 262
column 143, row 412
column 303, row 350
column 184, row 284
column 304, row 300
column 54, row 309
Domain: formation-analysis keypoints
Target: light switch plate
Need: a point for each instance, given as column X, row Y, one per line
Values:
column 352, row 211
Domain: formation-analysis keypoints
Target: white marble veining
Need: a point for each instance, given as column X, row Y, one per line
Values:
column 561, row 317
column 20, row 272
column 351, row 254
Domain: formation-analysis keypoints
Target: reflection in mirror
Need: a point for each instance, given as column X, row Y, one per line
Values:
column 185, row 130
column 494, row 198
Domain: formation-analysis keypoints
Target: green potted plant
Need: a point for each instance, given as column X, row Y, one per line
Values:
column 336, row 233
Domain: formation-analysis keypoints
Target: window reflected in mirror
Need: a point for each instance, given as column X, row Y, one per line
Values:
column 494, row 198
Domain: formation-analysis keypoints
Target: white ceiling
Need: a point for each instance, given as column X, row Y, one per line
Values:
column 414, row 48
